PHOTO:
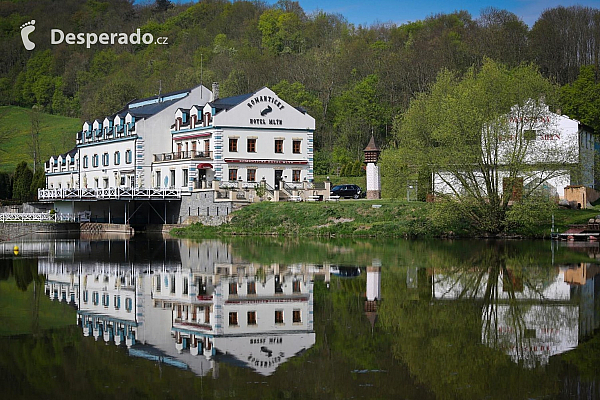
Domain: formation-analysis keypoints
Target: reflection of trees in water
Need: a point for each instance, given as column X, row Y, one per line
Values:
column 441, row 341
column 521, row 312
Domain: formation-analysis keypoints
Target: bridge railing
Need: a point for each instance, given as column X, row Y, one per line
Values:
column 109, row 193
column 28, row 217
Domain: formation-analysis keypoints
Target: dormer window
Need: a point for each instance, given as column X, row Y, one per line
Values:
column 206, row 119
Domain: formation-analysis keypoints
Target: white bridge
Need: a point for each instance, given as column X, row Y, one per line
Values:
column 109, row 193
column 28, row 217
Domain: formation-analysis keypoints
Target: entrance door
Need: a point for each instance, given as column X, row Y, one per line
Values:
column 278, row 175
column 201, row 183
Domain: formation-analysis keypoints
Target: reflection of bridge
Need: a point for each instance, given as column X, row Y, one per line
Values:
column 25, row 248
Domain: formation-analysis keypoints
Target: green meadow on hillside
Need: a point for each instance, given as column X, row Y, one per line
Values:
column 57, row 135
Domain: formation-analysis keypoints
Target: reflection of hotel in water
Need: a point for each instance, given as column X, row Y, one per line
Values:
column 532, row 320
column 205, row 306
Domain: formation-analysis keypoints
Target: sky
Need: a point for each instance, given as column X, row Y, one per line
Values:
column 368, row 12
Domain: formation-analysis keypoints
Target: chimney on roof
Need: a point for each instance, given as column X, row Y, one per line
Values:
column 215, row 91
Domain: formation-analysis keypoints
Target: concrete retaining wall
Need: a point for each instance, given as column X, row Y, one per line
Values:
column 201, row 206
column 95, row 227
column 11, row 230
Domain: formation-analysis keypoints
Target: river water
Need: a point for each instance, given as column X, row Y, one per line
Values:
column 269, row 318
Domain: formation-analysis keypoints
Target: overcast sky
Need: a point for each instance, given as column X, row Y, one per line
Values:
column 367, row 12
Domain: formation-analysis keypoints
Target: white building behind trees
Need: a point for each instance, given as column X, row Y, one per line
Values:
column 533, row 150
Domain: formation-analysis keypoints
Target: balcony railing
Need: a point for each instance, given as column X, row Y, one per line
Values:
column 183, row 155
column 109, row 193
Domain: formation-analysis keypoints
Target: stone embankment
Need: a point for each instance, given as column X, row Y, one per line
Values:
column 12, row 230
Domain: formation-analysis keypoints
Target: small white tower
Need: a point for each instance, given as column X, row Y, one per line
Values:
column 374, row 281
column 373, row 177
column 373, row 292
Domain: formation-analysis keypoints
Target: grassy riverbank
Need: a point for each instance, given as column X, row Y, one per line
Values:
column 358, row 218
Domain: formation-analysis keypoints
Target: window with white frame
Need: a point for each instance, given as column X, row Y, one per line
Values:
column 296, row 175
column 251, row 175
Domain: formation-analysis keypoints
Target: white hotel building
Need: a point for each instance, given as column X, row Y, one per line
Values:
column 178, row 144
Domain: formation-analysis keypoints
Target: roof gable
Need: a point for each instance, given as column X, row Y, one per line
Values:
column 262, row 109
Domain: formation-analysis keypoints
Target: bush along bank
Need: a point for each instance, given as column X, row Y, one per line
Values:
column 380, row 218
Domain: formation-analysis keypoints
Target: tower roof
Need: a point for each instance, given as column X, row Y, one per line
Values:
column 372, row 146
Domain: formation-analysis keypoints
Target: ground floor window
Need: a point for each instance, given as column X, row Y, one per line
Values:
column 185, row 177
column 251, row 317
column 279, row 316
column 233, row 175
column 233, row 288
column 251, row 175
column 296, row 175
column 251, row 287
column 297, row 316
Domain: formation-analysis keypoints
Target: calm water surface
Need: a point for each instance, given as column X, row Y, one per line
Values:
column 144, row 317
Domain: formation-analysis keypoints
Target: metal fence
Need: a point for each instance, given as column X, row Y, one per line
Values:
column 109, row 193
column 28, row 217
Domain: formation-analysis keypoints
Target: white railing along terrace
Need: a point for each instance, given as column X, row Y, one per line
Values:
column 109, row 193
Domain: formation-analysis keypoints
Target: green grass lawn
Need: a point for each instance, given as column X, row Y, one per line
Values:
column 16, row 316
column 343, row 218
column 57, row 135
column 394, row 218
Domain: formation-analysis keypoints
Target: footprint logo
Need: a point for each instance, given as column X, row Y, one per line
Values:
column 26, row 30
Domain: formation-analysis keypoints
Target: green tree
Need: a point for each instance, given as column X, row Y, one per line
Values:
column 581, row 99
column 38, row 182
column 297, row 95
column 34, row 135
column 22, row 182
column 359, row 112
column 281, row 31
column 5, row 186
column 473, row 135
